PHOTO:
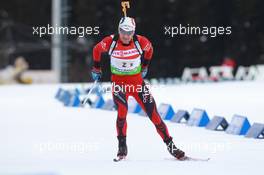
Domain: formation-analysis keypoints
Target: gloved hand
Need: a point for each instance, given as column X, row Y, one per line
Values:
column 96, row 74
column 144, row 72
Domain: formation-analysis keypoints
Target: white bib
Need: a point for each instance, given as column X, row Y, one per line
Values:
column 123, row 63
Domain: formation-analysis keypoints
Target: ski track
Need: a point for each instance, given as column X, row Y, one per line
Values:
column 41, row 136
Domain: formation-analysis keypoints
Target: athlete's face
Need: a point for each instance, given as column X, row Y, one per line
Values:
column 126, row 37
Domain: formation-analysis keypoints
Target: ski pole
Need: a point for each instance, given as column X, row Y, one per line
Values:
column 86, row 99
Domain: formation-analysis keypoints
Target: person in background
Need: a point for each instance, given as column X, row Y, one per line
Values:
column 14, row 73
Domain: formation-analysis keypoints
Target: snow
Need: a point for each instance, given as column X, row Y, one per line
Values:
column 41, row 136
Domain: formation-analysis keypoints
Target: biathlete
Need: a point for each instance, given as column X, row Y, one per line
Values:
column 130, row 56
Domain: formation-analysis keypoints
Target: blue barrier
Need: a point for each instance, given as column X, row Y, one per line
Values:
column 133, row 106
column 99, row 102
column 180, row 115
column 199, row 118
column 74, row 101
column 256, row 131
column 216, row 123
column 166, row 111
column 77, row 92
column 238, row 126
column 109, row 105
column 58, row 94
column 62, row 95
column 142, row 113
column 66, row 96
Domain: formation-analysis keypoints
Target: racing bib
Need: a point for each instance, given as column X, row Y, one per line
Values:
column 121, row 66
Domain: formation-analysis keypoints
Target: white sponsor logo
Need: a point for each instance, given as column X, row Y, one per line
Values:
column 125, row 53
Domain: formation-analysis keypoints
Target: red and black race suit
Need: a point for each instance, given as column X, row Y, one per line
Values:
column 144, row 97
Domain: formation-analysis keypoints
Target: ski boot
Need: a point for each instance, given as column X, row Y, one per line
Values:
column 173, row 150
column 122, row 148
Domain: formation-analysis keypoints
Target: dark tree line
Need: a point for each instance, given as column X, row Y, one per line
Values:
column 245, row 45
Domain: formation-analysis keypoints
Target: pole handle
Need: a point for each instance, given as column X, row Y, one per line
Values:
column 125, row 5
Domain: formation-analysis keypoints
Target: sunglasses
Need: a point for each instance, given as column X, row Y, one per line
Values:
column 123, row 32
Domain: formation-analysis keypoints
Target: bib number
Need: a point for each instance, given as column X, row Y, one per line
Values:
column 125, row 66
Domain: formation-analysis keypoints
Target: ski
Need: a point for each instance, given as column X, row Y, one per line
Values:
column 187, row 158
column 120, row 158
